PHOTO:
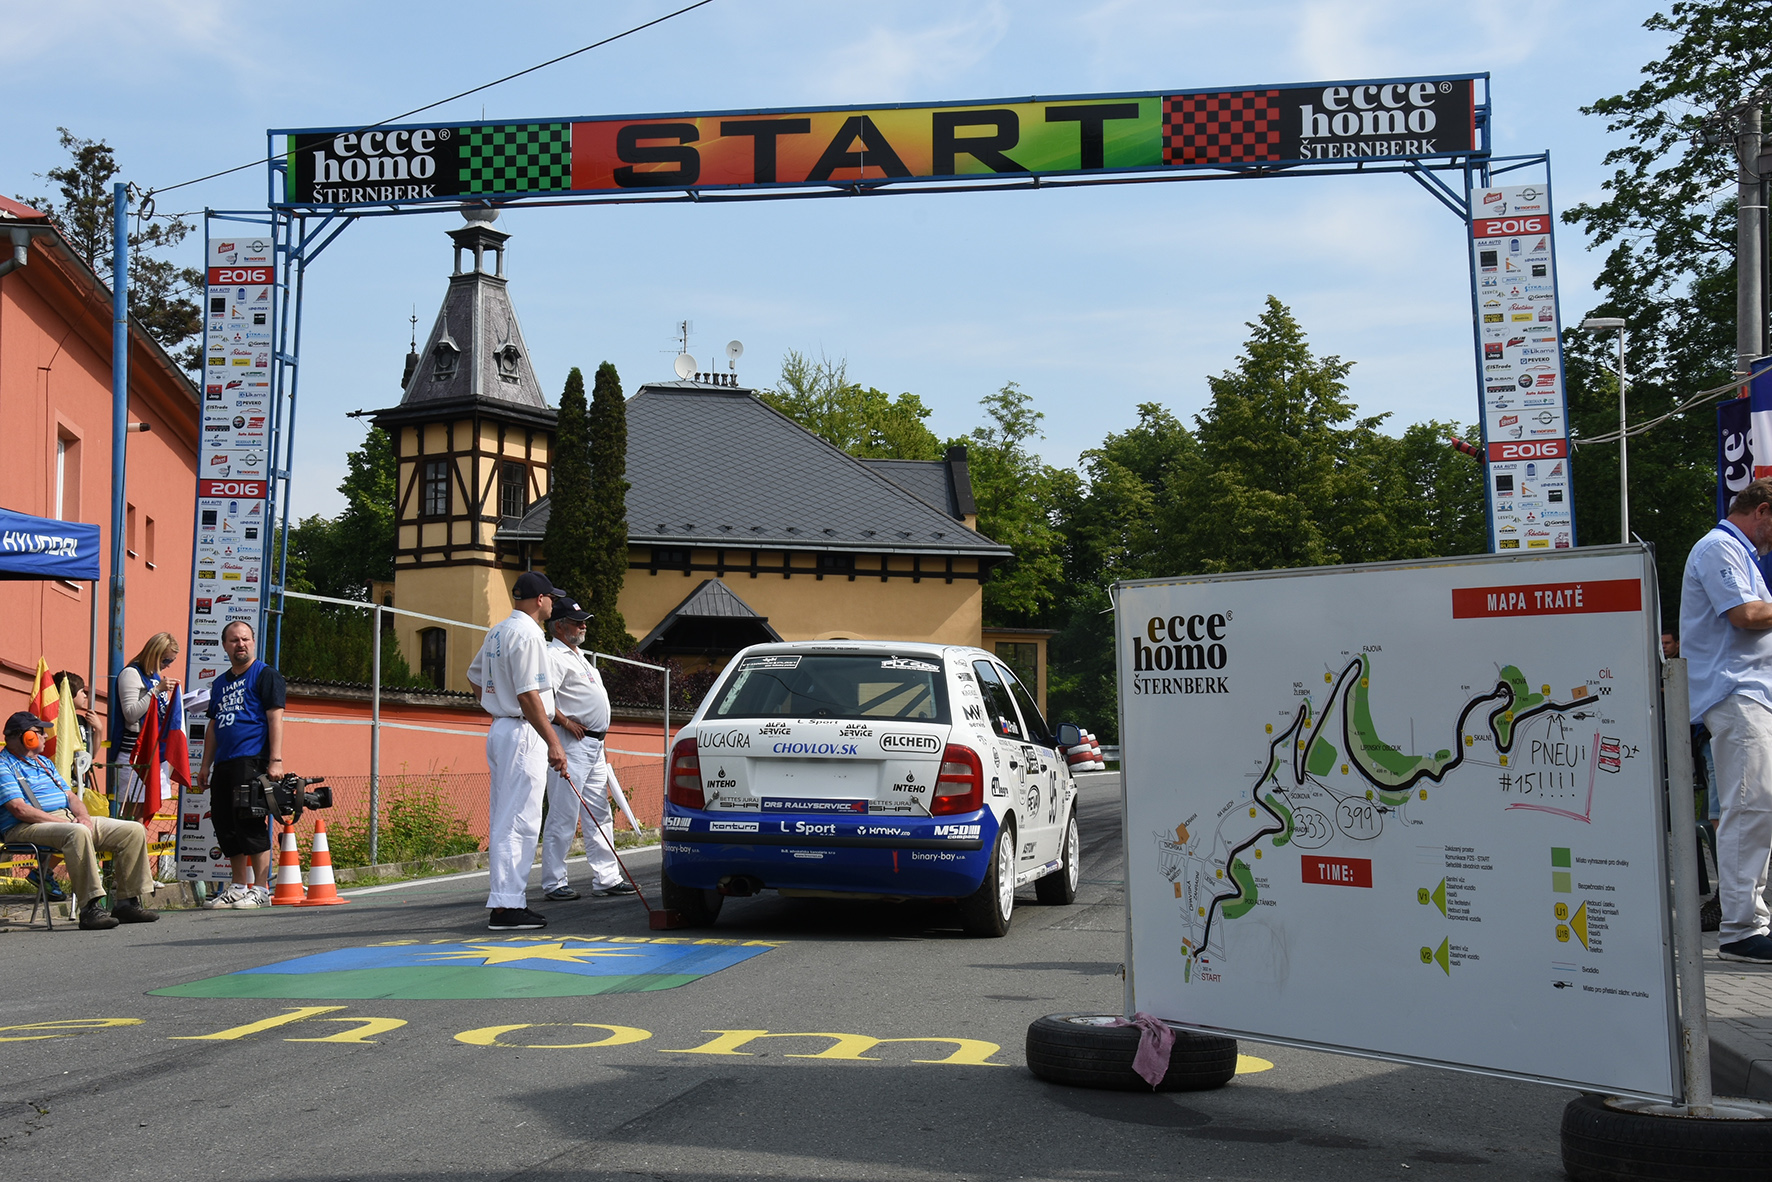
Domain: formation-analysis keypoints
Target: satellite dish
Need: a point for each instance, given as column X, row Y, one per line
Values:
column 734, row 350
column 685, row 365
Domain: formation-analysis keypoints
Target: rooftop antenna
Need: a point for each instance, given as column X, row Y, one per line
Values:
column 685, row 365
column 684, row 328
column 734, row 350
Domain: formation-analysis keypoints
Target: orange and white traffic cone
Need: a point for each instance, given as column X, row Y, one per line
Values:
column 321, row 890
column 289, row 889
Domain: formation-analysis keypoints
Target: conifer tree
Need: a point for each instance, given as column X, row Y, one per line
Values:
column 607, row 513
column 569, row 538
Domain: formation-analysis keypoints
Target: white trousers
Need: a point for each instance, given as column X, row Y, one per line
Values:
column 584, row 760
column 1741, row 746
column 518, row 760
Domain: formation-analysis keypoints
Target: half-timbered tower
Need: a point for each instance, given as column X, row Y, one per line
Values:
column 472, row 436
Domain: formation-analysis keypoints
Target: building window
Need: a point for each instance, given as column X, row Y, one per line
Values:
column 513, row 489
column 436, row 490
column 148, row 541
column 836, row 564
column 1023, row 660
column 670, row 559
column 67, row 477
column 433, row 650
column 129, row 530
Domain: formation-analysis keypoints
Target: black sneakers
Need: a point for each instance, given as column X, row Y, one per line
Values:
column 560, row 894
column 132, row 911
column 620, row 888
column 94, row 917
column 1753, row 950
column 514, row 919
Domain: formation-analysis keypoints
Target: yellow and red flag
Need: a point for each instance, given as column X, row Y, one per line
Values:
column 45, row 704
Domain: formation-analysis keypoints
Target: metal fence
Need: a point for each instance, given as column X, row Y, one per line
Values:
column 446, row 790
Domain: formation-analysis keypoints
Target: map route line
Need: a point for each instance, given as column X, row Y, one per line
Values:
column 1337, row 699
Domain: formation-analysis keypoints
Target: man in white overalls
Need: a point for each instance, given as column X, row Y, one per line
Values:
column 511, row 676
column 581, row 720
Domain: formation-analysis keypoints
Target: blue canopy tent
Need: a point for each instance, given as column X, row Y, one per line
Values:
column 44, row 548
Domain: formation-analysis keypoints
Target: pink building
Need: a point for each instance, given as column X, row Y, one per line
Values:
column 55, row 424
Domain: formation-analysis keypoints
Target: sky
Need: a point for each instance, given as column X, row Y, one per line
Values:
column 1092, row 300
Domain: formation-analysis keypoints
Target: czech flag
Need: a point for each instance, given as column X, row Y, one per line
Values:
column 162, row 740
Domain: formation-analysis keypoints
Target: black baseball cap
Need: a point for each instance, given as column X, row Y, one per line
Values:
column 567, row 608
column 532, row 583
column 24, row 721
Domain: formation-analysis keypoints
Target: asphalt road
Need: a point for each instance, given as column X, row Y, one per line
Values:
column 107, row 1081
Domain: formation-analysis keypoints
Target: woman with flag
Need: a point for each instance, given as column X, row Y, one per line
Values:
column 142, row 684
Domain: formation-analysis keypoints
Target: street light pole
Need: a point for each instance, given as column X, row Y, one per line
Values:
column 1603, row 322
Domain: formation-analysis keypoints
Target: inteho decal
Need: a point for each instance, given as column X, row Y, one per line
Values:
column 1181, row 642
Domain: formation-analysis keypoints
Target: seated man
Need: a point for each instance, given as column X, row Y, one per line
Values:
column 36, row 805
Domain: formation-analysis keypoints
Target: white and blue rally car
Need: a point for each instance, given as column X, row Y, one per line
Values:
column 870, row 770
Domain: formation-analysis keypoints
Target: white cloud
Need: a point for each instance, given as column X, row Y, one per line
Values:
column 891, row 63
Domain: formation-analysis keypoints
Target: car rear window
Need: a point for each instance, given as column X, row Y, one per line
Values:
column 833, row 685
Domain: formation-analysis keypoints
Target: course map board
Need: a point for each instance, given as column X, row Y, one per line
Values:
column 1405, row 810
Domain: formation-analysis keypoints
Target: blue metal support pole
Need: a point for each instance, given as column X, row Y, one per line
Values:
column 119, row 411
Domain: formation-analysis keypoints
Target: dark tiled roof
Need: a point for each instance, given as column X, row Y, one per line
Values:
column 715, row 466
column 475, row 350
column 927, row 480
column 712, row 600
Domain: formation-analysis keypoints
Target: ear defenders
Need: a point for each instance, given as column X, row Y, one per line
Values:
column 33, row 740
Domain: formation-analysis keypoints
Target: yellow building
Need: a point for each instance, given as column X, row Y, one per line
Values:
column 742, row 525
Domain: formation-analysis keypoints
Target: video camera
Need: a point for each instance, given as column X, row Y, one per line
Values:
column 285, row 796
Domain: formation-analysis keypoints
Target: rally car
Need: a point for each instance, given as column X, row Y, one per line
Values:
column 870, row 770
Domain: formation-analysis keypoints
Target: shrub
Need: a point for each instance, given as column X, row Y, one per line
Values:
column 418, row 823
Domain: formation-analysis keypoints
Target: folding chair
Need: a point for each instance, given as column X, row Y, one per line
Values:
column 42, row 853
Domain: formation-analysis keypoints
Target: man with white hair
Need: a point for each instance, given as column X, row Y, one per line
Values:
column 581, row 719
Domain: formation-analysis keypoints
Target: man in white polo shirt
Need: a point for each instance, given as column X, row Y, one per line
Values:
column 1725, row 617
column 581, row 718
column 512, row 677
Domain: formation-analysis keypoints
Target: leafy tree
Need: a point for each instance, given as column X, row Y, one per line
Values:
column 163, row 297
column 1280, row 471
column 607, row 558
column 569, row 541
column 1669, row 222
column 1111, row 530
column 1016, row 493
column 868, row 423
column 1274, row 457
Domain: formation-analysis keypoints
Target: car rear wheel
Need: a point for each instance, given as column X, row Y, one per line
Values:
column 1088, row 1051
column 1060, row 887
column 988, row 910
column 698, row 908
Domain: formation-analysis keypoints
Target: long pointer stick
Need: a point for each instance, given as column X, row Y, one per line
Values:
column 608, row 840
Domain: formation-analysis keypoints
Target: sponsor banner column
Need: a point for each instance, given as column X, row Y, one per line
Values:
column 1525, row 409
column 233, row 463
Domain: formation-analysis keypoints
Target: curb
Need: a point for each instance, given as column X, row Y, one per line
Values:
column 1740, row 1064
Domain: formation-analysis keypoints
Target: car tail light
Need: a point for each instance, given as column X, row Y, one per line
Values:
column 686, row 776
column 959, row 786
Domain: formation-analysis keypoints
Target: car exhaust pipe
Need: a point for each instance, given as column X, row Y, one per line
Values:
column 740, row 886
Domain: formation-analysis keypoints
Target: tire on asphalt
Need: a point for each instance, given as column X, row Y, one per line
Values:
column 1081, row 1050
column 698, row 908
column 988, row 910
column 1602, row 1143
column 1059, row 889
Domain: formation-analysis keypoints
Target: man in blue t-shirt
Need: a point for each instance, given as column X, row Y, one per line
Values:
column 37, row 805
column 243, row 741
